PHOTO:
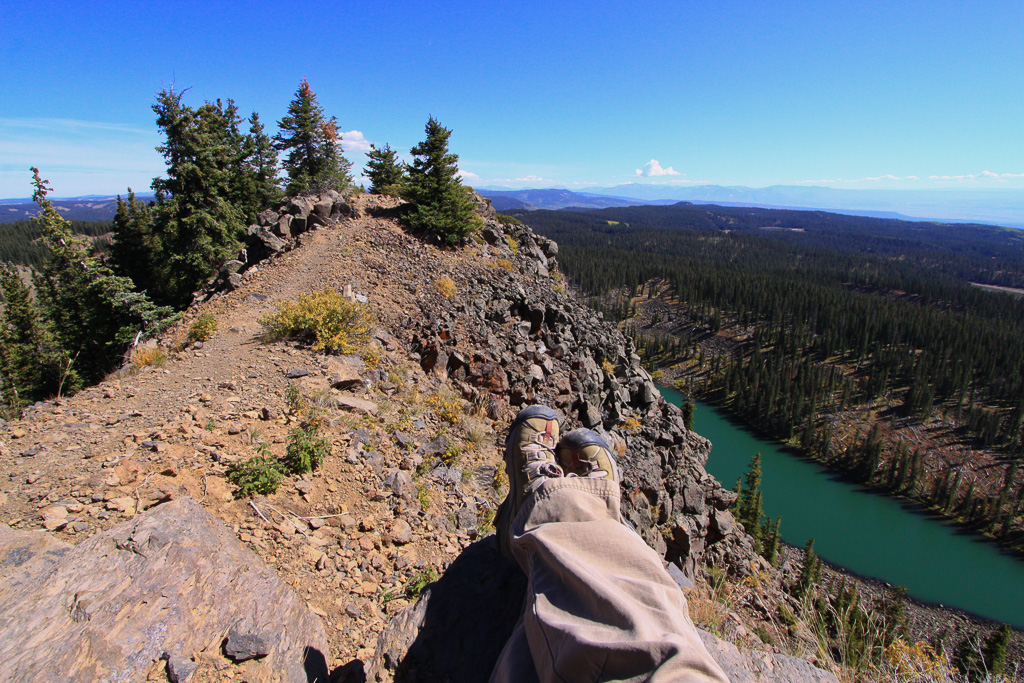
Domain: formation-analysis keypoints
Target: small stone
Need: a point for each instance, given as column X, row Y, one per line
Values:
column 123, row 504
column 401, row 532
column 179, row 668
column 295, row 373
column 356, row 405
column 242, row 646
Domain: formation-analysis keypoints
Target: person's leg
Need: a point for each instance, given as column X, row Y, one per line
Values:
column 600, row 605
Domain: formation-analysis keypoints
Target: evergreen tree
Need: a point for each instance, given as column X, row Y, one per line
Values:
column 811, row 571
column 750, row 505
column 136, row 247
column 199, row 223
column 385, row 171
column 95, row 314
column 688, row 408
column 442, row 205
column 257, row 181
column 772, row 540
column 32, row 365
column 994, row 650
column 314, row 160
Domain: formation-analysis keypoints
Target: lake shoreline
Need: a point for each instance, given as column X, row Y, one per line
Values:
column 925, row 621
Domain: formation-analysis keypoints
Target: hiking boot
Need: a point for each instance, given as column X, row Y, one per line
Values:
column 585, row 453
column 529, row 460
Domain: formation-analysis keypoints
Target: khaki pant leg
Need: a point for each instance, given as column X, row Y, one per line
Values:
column 600, row 605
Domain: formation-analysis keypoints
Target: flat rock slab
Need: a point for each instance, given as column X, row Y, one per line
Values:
column 753, row 666
column 169, row 584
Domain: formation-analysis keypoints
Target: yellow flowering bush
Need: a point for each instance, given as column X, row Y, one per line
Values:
column 447, row 408
column 446, row 286
column 631, row 424
column 325, row 319
column 917, row 662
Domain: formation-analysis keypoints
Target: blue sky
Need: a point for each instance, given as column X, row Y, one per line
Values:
column 864, row 94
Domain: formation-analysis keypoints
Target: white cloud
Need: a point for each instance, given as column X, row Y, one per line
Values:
column 469, row 177
column 355, row 141
column 654, row 168
column 984, row 175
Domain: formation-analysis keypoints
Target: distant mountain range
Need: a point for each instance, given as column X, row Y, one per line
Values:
column 91, row 208
column 999, row 207
column 506, row 200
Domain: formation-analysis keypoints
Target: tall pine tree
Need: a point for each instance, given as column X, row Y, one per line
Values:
column 442, row 205
column 32, row 365
column 95, row 315
column 200, row 223
column 313, row 161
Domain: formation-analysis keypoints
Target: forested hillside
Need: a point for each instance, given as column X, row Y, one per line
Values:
column 862, row 341
column 20, row 241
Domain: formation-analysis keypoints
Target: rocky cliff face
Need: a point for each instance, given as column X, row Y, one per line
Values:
column 415, row 425
column 512, row 338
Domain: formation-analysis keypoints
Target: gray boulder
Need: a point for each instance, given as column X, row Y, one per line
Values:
column 170, row 584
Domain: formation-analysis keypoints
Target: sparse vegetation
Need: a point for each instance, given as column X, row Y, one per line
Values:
column 421, row 580
column 257, row 475
column 202, row 328
column 148, row 356
column 505, row 219
column 294, row 399
column 505, row 263
column 371, row 358
column 324, row 319
column 306, row 451
column 513, row 244
column 631, row 424
column 446, row 286
column 447, row 408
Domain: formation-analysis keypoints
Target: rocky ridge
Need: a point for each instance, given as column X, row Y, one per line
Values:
column 465, row 337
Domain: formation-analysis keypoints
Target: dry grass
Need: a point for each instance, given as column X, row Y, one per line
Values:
column 446, row 286
column 147, row 356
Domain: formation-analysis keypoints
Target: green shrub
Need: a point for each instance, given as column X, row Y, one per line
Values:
column 261, row 474
column 421, row 580
column 305, row 451
column 202, row 328
column 294, row 399
column 325, row 319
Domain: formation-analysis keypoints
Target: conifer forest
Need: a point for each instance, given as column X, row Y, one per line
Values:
column 892, row 351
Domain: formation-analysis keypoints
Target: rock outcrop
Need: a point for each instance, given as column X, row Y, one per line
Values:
column 513, row 337
column 172, row 587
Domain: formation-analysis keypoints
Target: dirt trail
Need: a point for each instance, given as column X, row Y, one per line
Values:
column 346, row 543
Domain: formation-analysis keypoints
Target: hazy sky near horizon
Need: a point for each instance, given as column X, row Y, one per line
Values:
column 915, row 94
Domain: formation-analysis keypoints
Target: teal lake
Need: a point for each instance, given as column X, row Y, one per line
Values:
column 867, row 533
